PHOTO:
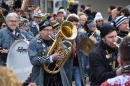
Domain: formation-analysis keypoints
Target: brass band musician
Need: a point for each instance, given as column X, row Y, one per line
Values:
column 102, row 59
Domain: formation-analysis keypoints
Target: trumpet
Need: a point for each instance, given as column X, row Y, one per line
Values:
column 128, row 28
column 117, row 45
column 119, row 37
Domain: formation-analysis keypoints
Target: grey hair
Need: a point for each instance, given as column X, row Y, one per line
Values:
column 10, row 15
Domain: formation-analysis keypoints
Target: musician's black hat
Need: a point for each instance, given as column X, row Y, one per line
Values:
column 105, row 28
column 44, row 24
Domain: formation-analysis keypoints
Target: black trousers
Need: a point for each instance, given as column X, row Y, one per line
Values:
column 52, row 79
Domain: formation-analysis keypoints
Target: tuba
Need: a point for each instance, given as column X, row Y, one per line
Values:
column 68, row 31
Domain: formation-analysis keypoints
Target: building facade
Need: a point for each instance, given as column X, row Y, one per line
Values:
column 49, row 6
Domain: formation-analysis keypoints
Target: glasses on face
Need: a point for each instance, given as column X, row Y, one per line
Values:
column 99, row 20
column 13, row 21
column 46, row 23
column 47, row 30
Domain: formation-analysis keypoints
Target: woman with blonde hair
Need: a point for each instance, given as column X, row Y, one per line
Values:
column 8, row 78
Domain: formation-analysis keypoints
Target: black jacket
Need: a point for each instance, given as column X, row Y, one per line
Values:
column 100, row 68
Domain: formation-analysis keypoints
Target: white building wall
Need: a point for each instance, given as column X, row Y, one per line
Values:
column 102, row 5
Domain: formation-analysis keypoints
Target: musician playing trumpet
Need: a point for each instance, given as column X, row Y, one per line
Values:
column 102, row 59
column 122, row 26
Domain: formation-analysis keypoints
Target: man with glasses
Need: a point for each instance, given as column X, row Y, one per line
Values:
column 34, row 27
column 37, row 50
column 9, row 34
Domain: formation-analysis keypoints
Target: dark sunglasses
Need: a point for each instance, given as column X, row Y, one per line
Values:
column 46, row 23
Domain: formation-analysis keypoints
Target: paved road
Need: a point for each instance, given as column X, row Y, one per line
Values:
column 87, row 81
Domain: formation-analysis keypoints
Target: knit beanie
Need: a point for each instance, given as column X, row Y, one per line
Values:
column 92, row 24
column 44, row 24
column 98, row 16
column 119, row 20
column 105, row 28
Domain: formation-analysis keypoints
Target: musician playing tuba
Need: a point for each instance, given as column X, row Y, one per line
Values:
column 42, row 54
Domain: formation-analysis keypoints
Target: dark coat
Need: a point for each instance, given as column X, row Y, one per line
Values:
column 100, row 68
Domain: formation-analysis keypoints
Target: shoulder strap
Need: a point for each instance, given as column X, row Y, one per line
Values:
column 15, row 37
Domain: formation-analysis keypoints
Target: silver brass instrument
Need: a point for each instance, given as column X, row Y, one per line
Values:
column 116, row 43
column 68, row 31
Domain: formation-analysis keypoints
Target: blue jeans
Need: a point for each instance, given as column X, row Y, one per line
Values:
column 77, row 76
column 85, row 58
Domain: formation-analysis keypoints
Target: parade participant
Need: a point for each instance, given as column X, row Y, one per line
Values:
column 78, row 64
column 51, row 18
column 122, row 25
column 88, row 7
column 18, row 12
column 83, row 34
column 124, row 56
column 99, row 20
column 82, row 8
column 24, row 24
column 93, row 33
column 60, row 17
column 82, row 21
column 9, row 34
column 110, row 8
column 8, row 78
column 56, row 28
column 2, row 25
column 37, row 50
column 102, row 59
column 34, row 27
